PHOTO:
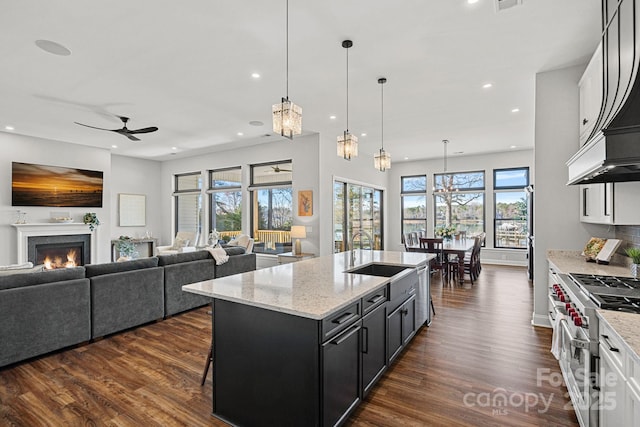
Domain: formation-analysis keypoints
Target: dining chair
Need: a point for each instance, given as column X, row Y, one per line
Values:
column 411, row 242
column 440, row 263
column 472, row 260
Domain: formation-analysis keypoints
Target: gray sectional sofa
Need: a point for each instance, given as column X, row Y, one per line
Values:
column 41, row 312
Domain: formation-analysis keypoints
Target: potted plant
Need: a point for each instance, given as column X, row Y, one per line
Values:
column 634, row 253
column 91, row 219
column 125, row 247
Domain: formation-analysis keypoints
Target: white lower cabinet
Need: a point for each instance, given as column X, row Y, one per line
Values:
column 632, row 402
column 612, row 390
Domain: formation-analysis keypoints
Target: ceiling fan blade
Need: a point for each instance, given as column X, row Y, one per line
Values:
column 93, row 127
column 131, row 137
column 143, row 130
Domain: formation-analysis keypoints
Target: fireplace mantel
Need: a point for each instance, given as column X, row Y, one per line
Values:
column 24, row 231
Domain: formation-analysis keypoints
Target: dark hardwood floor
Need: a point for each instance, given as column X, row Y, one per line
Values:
column 481, row 363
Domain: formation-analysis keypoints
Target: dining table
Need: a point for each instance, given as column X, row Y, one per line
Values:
column 457, row 247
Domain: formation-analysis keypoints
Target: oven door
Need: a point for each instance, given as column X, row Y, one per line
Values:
column 575, row 364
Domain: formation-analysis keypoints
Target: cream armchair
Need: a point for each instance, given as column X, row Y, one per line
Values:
column 185, row 241
column 244, row 241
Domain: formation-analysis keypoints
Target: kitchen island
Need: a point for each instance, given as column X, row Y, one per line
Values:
column 303, row 343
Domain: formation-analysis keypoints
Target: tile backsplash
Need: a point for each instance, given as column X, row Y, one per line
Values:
column 629, row 234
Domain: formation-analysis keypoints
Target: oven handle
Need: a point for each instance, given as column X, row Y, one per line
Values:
column 575, row 342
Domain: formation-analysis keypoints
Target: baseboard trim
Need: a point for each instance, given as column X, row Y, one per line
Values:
column 540, row 320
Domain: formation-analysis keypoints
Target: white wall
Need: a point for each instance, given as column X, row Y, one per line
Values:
column 17, row 148
column 486, row 162
column 556, row 209
column 136, row 176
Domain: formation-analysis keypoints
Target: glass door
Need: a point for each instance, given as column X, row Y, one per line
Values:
column 357, row 209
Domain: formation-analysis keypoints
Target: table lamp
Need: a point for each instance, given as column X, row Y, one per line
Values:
column 298, row 232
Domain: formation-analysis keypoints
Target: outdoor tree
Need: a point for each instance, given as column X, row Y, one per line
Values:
column 448, row 196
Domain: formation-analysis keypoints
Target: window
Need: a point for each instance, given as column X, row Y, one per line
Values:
column 272, row 206
column 357, row 208
column 414, row 203
column 511, row 213
column 459, row 201
column 225, row 201
column 188, row 202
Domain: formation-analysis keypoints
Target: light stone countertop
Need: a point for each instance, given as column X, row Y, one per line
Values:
column 626, row 326
column 313, row 288
column 572, row 262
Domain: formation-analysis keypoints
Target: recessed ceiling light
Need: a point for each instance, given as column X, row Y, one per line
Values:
column 53, row 47
column 406, row 158
column 472, row 1
column 240, row 134
column 512, row 146
column 487, row 85
column 332, row 117
column 255, row 75
column 174, row 148
column 9, row 127
column 363, row 134
column 515, row 110
column 114, row 146
column 256, row 123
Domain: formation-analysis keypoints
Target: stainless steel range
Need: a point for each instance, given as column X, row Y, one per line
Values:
column 573, row 300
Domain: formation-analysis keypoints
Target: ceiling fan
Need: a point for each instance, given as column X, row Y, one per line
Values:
column 277, row 169
column 129, row 133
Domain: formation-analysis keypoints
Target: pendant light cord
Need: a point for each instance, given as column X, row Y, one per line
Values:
column 382, row 117
column 347, row 49
column 444, row 141
column 287, row 37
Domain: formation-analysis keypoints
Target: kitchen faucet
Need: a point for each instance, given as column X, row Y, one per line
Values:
column 351, row 248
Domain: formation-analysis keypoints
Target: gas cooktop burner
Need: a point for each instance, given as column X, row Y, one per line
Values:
column 611, row 292
column 607, row 281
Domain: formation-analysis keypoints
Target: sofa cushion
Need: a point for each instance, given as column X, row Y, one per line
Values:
column 182, row 257
column 93, row 270
column 46, row 276
column 235, row 250
column 12, row 271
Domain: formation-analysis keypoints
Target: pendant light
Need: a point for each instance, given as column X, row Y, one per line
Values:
column 446, row 187
column 347, row 143
column 382, row 160
column 287, row 116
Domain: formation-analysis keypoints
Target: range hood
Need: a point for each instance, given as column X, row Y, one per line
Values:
column 612, row 150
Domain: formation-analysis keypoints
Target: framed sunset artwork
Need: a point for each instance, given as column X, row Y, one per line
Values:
column 41, row 185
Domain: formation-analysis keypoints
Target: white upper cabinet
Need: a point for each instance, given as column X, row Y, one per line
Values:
column 611, row 203
column 591, row 95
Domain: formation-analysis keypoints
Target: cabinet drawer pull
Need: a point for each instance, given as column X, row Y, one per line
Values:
column 606, row 340
column 376, row 299
column 584, row 121
column 346, row 336
column 345, row 318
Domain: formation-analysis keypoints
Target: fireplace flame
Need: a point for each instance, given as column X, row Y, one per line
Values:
column 57, row 262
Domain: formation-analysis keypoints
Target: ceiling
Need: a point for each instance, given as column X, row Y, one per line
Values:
column 186, row 68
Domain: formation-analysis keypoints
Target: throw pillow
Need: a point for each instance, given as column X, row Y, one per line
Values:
column 179, row 243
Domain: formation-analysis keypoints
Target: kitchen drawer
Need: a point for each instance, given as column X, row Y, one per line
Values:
column 611, row 342
column 374, row 299
column 340, row 320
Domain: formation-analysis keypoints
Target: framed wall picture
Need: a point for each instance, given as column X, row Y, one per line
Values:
column 305, row 203
column 132, row 210
column 57, row 186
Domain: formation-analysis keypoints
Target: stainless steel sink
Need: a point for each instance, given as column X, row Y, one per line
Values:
column 374, row 269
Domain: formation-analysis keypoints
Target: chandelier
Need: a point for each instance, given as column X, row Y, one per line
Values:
column 382, row 160
column 287, row 116
column 347, row 143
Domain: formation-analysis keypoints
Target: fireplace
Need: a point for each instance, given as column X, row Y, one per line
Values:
column 48, row 236
column 59, row 251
